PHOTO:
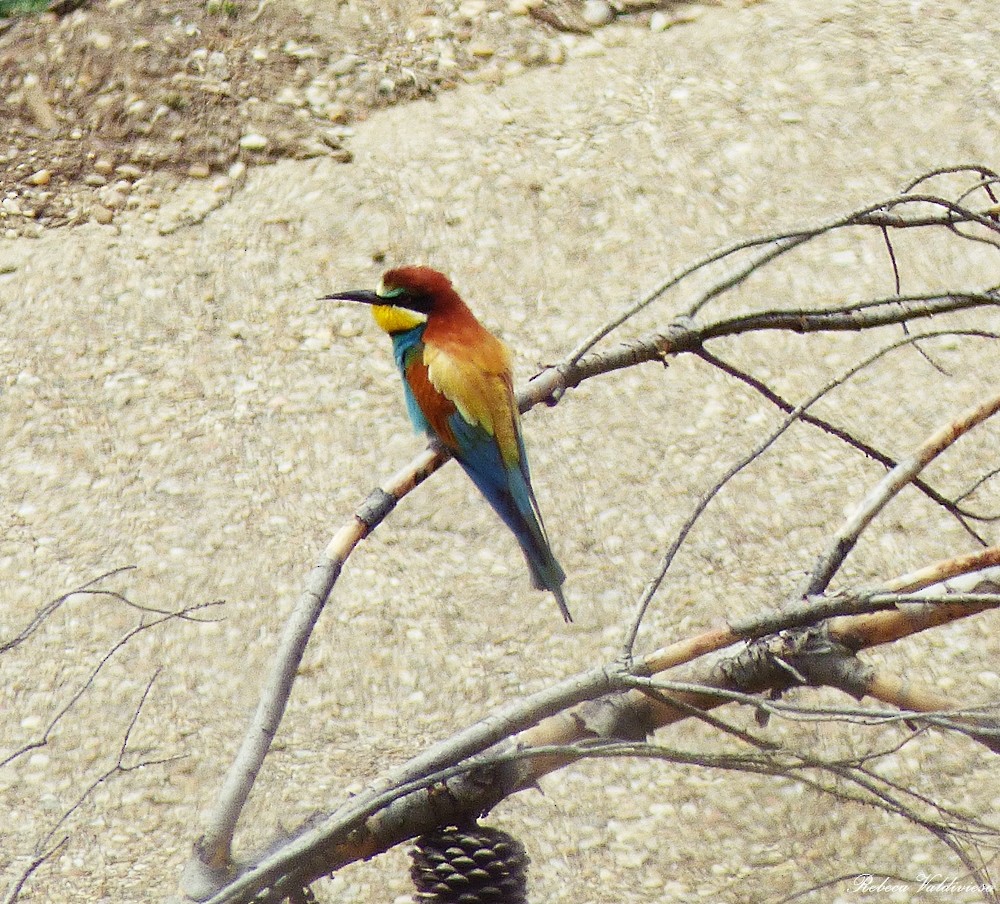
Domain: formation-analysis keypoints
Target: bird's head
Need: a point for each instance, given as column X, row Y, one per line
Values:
column 404, row 298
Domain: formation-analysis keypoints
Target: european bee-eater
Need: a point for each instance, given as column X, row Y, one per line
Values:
column 459, row 390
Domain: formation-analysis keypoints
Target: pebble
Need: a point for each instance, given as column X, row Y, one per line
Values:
column 471, row 9
column 386, row 86
column 42, row 177
column 588, row 48
column 100, row 40
column 253, row 141
column 344, row 65
column 289, row 97
column 598, row 13
column 103, row 215
column 336, row 112
column 114, row 200
column 104, row 166
column 128, row 171
column 660, row 21
column 95, row 179
column 199, row 171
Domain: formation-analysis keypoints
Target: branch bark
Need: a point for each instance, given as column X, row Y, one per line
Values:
column 212, row 867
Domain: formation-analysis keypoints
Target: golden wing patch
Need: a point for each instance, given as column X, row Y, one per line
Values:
column 483, row 397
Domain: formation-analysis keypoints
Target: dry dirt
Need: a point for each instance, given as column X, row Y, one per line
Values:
column 107, row 106
column 174, row 398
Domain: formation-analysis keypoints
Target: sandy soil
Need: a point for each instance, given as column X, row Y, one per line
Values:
column 174, row 398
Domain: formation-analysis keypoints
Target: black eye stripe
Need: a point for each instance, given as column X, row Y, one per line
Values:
column 409, row 299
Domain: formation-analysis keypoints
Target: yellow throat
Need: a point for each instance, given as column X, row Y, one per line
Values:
column 397, row 320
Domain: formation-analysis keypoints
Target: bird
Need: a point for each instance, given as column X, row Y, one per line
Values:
column 459, row 390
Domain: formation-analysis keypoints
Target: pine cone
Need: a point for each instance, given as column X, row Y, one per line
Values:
column 472, row 865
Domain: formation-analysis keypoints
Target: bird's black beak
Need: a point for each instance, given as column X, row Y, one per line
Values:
column 362, row 295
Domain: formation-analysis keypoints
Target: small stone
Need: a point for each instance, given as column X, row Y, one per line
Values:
column 237, row 171
column 661, row 21
column 104, row 166
column 386, row 87
column 332, row 138
column 253, row 141
column 114, row 200
column 300, row 51
column 127, row 171
column 199, row 171
column 588, row 48
column 336, row 112
column 95, row 179
column 103, row 215
column 344, row 65
column 218, row 65
column 289, row 97
column 481, row 49
column 317, row 96
column 42, row 177
column 258, row 54
column 100, row 40
column 598, row 13
column 471, row 9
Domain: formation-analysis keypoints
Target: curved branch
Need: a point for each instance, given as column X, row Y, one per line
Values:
column 211, row 866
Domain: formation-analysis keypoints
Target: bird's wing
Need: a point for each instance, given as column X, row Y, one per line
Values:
column 478, row 385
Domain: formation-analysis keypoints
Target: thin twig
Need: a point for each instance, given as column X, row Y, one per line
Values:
column 703, row 502
column 46, row 611
column 845, row 538
column 88, row 682
column 119, row 765
column 952, row 507
column 15, row 890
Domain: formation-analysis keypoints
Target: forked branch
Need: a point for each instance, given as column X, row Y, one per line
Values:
column 369, row 820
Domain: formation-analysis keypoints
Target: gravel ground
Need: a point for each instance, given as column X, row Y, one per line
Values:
column 108, row 107
column 175, row 399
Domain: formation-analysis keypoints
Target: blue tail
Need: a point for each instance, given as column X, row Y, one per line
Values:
column 509, row 491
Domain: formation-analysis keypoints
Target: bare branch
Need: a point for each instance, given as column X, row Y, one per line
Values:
column 845, row 539
column 119, row 766
column 952, row 507
column 45, row 611
column 570, row 710
column 15, row 890
column 88, row 682
column 653, row 586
